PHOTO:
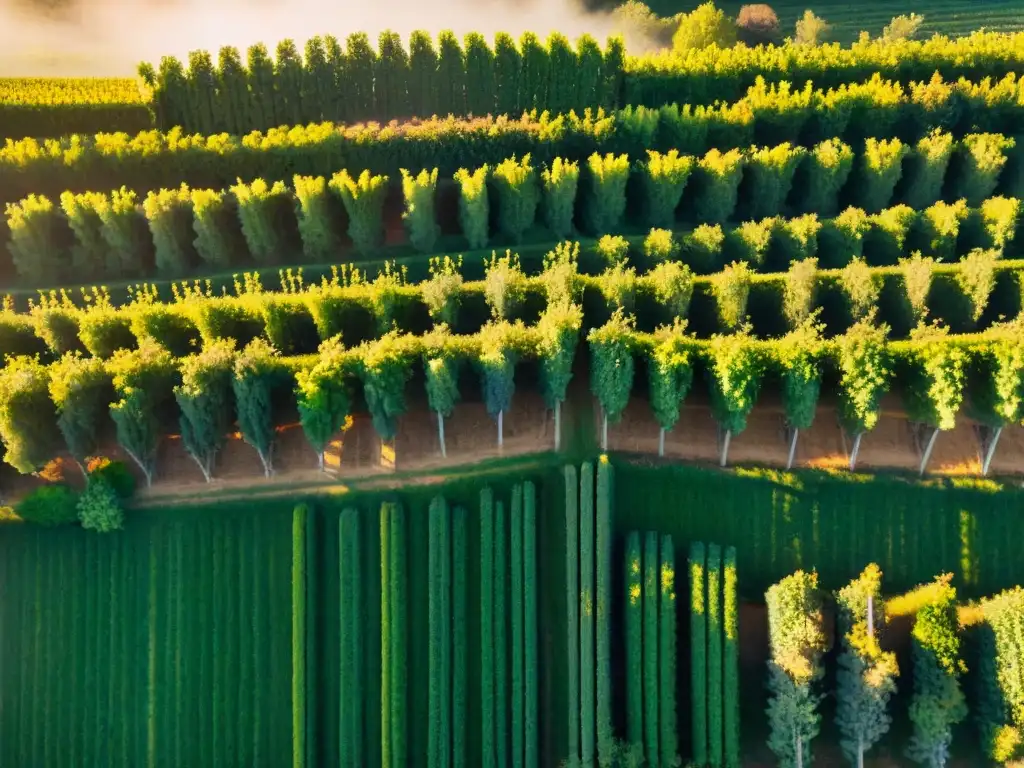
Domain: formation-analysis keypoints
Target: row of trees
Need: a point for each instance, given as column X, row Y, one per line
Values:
column 867, row 673
column 714, row 656
column 172, row 232
column 47, row 409
column 704, row 75
column 965, row 296
column 359, row 82
column 762, row 115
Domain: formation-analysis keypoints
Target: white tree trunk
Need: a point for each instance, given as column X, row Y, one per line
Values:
column 558, row 425
column 799, row 752
column 204, row 466
column 265, row 460
column 145, row 470
column 320, row 460
column 604, row 433
column 792, row 448
column 501, row 432
column 928, row 452
column 855, row 451
column 993, row 441
column 860, row 753
column 725, row 448
column 440, row 435
column 661, row 442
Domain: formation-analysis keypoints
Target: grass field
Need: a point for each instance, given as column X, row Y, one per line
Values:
column 947, row 17
column 171, row 643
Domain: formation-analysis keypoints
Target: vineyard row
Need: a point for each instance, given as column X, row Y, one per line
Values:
column 172, row 232
column 764, row 115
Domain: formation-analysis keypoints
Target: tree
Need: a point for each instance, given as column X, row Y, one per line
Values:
column 27, row 424
column 798, row 642
column 204, row 400
column 142, row 381
column 78, row 386
column 385, row 366
column 611, row 367
column 902, row 28
column 938, row 703
column 99, row 509
column 936, row 390
column 322, row 396
column 1000, row 680
column 864, row 370
column 798, row 357
column 500, row 347
column 997, row 395
column 255, row 374
column 441, row 362
column 670, row 374
column 558, row 335
column 867, row 675
column 758, row 24
column 705, row 26
column 811, row 29
column 735, row 370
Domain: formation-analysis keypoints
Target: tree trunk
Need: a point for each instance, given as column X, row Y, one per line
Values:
column 661, row 442
column 860, row 753
column 440, row 435
column 799, row 752
column 146, row 471
column 855, row 451
column 501, row 430
column 991, row 451
column 792, row 448
column 604, row 433
column 265, row 461
column 320, row 460
column 928, row 452
column 725, row 447
column 558, row 425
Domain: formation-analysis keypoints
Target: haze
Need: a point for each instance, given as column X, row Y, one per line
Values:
column 109, row 38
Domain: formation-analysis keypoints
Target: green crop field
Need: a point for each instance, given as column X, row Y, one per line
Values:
column 186, row 639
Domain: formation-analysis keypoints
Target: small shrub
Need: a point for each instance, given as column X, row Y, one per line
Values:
column 982, row 158
column 515, row 182
column 504, row 285
column 618, row 286
column 940, row 226
column 99, row 508
column 811, row 29
column 758, row 24
column 442, row 293
column 977, row 278
column 881, row 169
column 887, row 236
column 861, row 288
column 917, row 283
column 671, row 283
column 664, row 178
column 797, row 238
column 769, row 178
column 1000, row 218
column 750, row 241
column 926, row 167
column 114, row 473
column 902, row 27
column 799, row 292
column 560, row 183
column 614, row 250
column 824, row 173
column 702, row 248
column 363, row 198
column 49, row 505
column 660, row 245
column 604, row 201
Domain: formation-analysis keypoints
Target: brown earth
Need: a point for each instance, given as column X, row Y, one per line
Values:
column 471, row 437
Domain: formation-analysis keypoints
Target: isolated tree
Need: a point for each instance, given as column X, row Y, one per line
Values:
column 758, row 24
column 558, row 336
column 867, row 675
column 938, row 703
column 78, row 386
column 99, row 509
column 612, row 367
column 322, row 396
column 504, row 285
column 903, row 27
column 204, row 399
column 442, row 292
column 798, row 642
column 142, row 381
column 256, row 372
column 798, row 357
column 441, row 361
column 864, row 370
column 670, row 374
column 811, row 29
column 735, row 369
column 27, row 424
column 385, row 366
column 704, row 26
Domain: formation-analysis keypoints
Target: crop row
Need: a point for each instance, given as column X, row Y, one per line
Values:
column 61, row 106
column 44, row 409
column 764, row 115
column 360, row 83
column 172, row 232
